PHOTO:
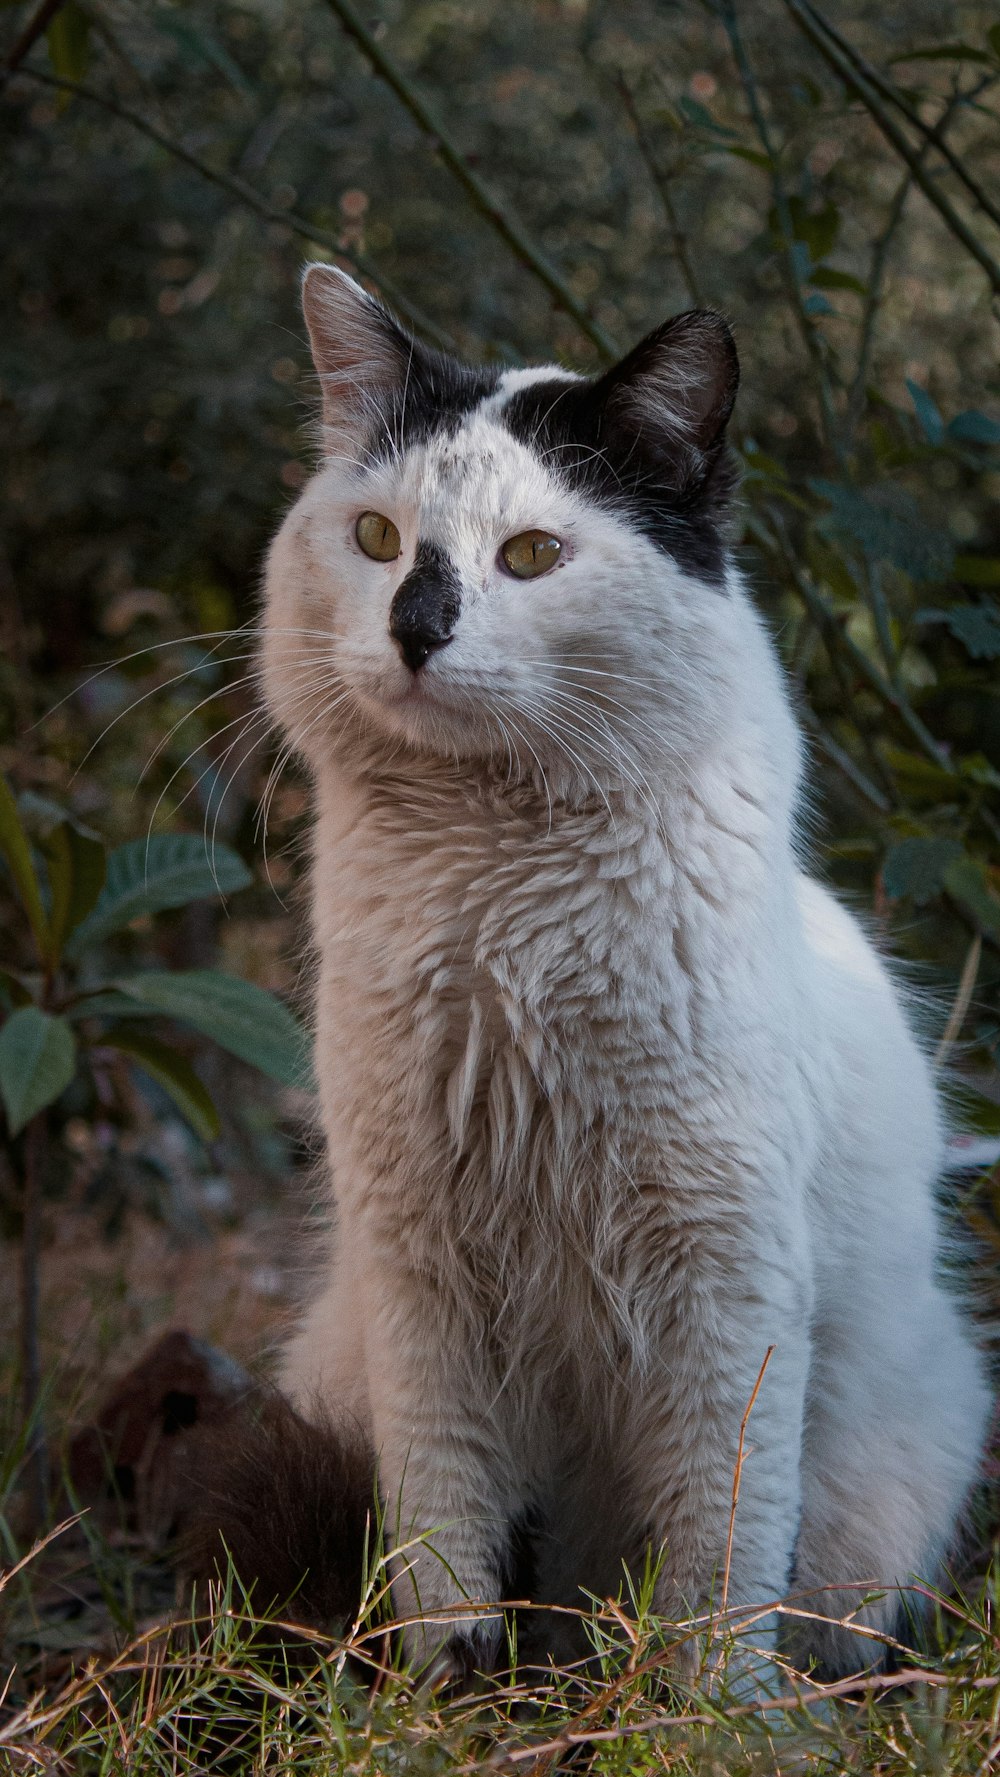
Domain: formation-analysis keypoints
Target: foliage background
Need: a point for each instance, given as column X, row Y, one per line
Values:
column 155, row 420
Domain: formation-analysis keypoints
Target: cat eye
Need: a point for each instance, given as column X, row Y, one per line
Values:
column 530, row 553
column 377, row 536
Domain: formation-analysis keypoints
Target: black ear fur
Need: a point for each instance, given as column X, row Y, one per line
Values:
column 677, row 386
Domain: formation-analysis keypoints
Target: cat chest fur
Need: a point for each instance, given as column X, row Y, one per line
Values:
column 521, row 1068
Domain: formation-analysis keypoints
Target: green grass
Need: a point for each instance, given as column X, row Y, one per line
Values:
column 231, row 1690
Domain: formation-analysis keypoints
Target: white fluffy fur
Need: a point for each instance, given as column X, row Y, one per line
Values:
column 614, row 1096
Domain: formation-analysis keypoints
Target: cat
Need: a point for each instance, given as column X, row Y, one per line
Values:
column 616, row 1099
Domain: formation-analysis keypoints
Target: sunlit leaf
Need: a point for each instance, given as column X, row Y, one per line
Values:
column 68, row 40
column 170, row 1070
column 148, row 876
column 978, row 570
column 15, row 848
column 237, row 1015
column 37, row 1059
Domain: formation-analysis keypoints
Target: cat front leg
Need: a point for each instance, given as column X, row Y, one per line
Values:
column 685, row 1431
column 448, row 1476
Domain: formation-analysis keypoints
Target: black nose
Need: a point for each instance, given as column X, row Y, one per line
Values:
column 425, row 609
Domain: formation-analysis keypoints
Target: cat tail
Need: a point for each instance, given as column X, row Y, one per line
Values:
column 291, row 1502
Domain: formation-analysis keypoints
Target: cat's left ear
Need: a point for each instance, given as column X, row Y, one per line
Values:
column 677, row 388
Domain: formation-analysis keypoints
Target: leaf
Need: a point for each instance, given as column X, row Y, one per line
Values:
column 817, row 304
column 977, row 627
column 240, row 1017
column 68, row 40
column 978, row 570
column 754, row 155
column 977, row 768
column 13, row 990
column 170, row 1070
column 926, row 410
column 972, row 427
column 916, row 867
column 966, row 878
column 887, row 525
column 817, row 228
column 203, row 47
column 37, row 1060
column 168, row 870
column 15, row 848
column 993, row 39
column 827, row 277
column 77, row 865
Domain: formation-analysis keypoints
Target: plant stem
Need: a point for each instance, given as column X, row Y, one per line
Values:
column 39, row 22
column 496, row 213
column 33, row 1149
column 813, row 26
column 238, row 188
column 811, row 337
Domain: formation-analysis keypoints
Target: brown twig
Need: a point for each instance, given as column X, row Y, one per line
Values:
column 894, row 97
column 962, row 1001
column 741, row 1455
column 810, row 335
column 814, row 29
column 33, row 1151
column 497, row 214
column 238, row 188
column 678, row 238
column 39, row 22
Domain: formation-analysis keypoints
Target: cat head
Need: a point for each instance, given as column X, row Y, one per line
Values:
column 524, row 566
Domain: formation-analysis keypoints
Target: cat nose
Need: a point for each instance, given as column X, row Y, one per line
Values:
column 416, row 640
column 425, row 610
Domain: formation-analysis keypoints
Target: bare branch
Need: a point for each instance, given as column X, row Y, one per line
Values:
column 496, row 213
column 894, row 97
column 39, row 22
column 661, row 180
column 862, row 89
column 813, row 343
column 238, row 188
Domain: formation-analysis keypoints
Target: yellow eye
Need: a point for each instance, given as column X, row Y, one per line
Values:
column 377, row 536
column 530, row 554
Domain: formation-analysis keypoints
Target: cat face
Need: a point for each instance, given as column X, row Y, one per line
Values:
column 523, row 566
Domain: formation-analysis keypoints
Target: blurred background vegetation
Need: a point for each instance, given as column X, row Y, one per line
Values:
column 526, row 179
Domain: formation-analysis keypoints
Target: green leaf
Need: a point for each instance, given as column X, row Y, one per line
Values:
column 240, row 1017
column 68, row 40
column 15, row 848
column 37, row 1059
column 977, row 627
column 966, row 878
column 978, row 769
column 827, row 277
column 972, row 427
column 77, row 864
column 13, row 990
column 993, row 39
column 170, row 1070
column 817, row 304
column 754, row 155
column 916, row 867
column 147, row 876
column 978, row 570
column 926, row 410
column 886, row 523
column 106, row 1003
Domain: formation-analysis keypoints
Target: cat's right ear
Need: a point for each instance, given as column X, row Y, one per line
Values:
column 361, row 355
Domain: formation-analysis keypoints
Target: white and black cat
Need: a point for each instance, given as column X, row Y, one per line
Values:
column 614, row 1097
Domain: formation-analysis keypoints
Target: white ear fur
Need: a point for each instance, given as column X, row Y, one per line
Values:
column 359, row 352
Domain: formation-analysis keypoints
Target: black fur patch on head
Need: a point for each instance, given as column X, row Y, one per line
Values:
column 646, row 439
column 434, row 394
